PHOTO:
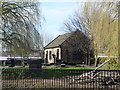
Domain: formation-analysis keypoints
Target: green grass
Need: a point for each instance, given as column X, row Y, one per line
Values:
column 72, row 68
column 77, row 68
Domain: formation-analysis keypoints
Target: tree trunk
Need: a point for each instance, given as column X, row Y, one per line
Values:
column 86, row 59
column 96, row 61
column 89, row 61
column 119, row 35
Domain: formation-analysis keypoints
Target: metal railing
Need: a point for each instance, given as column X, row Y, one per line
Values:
column 60, row 79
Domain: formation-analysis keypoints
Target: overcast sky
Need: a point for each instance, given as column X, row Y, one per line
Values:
column 55, row 14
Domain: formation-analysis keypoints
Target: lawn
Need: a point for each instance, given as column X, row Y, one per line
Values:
column 78, row 68
column 70, row 68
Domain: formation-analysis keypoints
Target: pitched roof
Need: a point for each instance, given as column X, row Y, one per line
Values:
column 58, row 40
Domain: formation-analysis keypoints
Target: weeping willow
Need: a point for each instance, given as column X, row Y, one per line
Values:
column 20, row 22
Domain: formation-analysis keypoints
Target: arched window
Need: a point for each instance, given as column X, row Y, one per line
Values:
column 57, row 53
column 50, row 55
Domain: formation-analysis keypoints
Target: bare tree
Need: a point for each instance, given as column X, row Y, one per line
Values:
column 98, row 21
column 77, row 22
column 46, row 38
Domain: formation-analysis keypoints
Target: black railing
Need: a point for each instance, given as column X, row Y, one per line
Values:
column 60, row 79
